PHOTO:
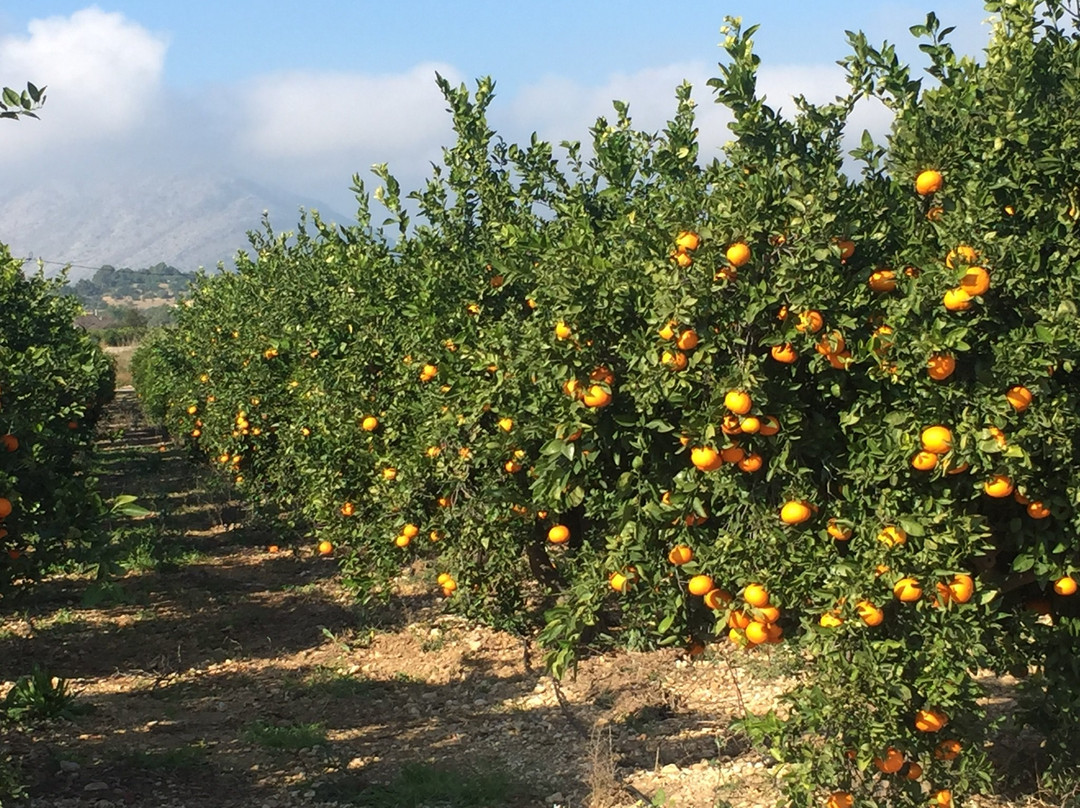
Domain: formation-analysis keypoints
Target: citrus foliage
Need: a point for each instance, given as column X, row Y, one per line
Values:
column 54, row 380
column 661, row 401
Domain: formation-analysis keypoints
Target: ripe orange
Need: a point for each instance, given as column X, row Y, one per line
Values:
column 756, row 595
column 930, row 720
column 942, row 798
column 739, row 620
column 618, row 581
column 676, row 360
column 572, row 388
column 784, row 353
column 402, row 540
column 998, row 486
column 907, row 590
column 892, row 762
column 840, row 799
column 940, row 366
column 770, row 426
column 667, row 332
column 838, row 531
column 680, row 554
column 682, row 258
column 5, row 507
column 732, row 454
column 936, row 439
column 705, row 458
column 924, row 461
column 751, row 463
column 976, row 281
column 882, row 280
column 738, row 401
column 1036, row 510
column 370, row 423
column 914, row 771
column 928, row 182
column 892, row 536
column 389, row 473
column 869, row 613
column 688, row 340
column 961, row 588
column 603, row 374
column 512, row 466
column 435, row 535
column 963, row 254
column 505, row 424
column 768, row 614
column 558, row 534
column 449, row 587
column 1019, row 397
column 831, row 344
column 11, row 443
column 428, row 372
column 847, row 248
column 273, row 548
column 730, row 424
column 325, row 547
column 410, row 530
column 687, row 240
column 830, row 620
column 596, row 397
column 562, row 330
column 948, row 750
column 757, row 633
column 957, row 300
column 717, row 598
column 737, row 254
column 794, row 512
column 810, row 321
column 700, row 585
column 1066, row 585
column 348, row 509
column 750, row 425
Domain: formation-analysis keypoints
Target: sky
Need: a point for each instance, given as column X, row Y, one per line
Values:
column 300, row 96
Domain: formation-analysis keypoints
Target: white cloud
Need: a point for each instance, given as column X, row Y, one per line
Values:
column 103, row 72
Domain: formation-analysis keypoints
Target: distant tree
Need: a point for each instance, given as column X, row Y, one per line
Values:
column 14, row 104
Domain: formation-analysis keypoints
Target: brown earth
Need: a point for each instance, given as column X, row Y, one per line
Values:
column 220, row 674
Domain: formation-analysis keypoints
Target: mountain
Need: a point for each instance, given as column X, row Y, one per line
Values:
column 185, row 221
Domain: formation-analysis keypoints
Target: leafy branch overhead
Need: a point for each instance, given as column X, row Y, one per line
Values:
column 17, row 104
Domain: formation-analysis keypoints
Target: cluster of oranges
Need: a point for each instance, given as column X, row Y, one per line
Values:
column 736, row 423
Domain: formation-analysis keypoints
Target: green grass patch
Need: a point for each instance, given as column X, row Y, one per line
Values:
column 426, row 785
column 285, row 736
column 192, row 756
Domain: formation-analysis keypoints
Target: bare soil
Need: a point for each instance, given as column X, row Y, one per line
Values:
column 199, row 667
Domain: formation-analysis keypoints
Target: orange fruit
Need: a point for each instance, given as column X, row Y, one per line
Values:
column 794, row 512
column 676, row 360
column 1036, row 510
column 737, row 254
column 784, row 353
column 964, row 254
column 11, row 443
column 603, row 374
column 348, row 509
column 892, row 536
column 976, row 281
column 512, row 466
column 428, row 372
column 705, row 458
column 948, row 750
column 930, row 720
column 907, row 590
column 618, row 581
column 325, row 547
column 402, row 540
column 717, row 598
column 687, row 240
column 572, row 388
column 914, row 771
column 882, row 280
column 562, row 330
column 924, row 461
column 962, row 588
column 928, row 182
column 505, row 424
column 558, row 534
column 750, row 425
column 410, row 530
column 757, row 633
column 683, row 259
column 739, row 620
column 667, row 332
column 942, row 798
column 756, row 595
column 869, row 613
column 770, row 426
column 768, row 614
column 997, row 435
column 687, row 340
column 700, row 585
column 751, row 463
column 596, row 397
column 957, row 300
column 831, row 344
column 936, row 439
column 726, row 274
column 847, row 248
column 840, row 799
column 732, row 454
column 273, row 548
column 810, row 321
column 935, row 213
column 940, row 366
column 892, row 762
column 830, row 620
column 449, row 587
column 838, row 531
column 738, row 401
column 730, row 424
column 389, row 473
column 1019, row 397
column 998, row 486
column 1066, row 585
column 680, row 554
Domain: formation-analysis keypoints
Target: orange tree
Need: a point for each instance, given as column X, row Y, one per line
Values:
column 647, row 399
column 54, row 380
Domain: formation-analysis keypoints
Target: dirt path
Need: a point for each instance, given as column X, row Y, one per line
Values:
column 222, row 675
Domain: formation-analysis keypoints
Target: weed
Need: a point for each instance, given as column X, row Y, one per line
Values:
column 41, row 696
column 422, row 784
column 285, row 736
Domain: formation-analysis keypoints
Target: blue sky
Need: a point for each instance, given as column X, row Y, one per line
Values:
column 302, row 95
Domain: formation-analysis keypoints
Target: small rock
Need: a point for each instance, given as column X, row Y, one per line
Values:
column 670, row 768
column 97, row 785
column 554, row 799
column 69, row 766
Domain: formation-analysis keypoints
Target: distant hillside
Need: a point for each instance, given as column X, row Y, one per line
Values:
column 109, row 285
column 185, row 222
